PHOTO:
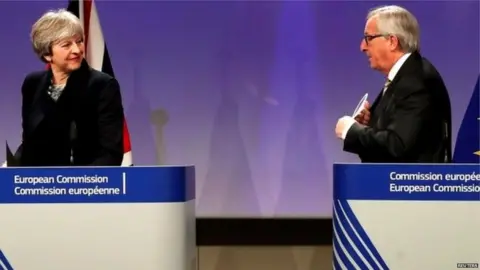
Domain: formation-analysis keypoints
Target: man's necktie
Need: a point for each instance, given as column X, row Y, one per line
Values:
column 385, row 86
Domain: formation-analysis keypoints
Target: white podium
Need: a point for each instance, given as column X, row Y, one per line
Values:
column 406, row 216
column 122, row 218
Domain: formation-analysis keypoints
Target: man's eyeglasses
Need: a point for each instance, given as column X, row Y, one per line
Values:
column 369, row 38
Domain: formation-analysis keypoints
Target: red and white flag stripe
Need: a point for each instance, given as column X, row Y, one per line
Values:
column 97, row 54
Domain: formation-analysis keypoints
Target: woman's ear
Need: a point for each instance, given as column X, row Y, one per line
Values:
column 48, row 58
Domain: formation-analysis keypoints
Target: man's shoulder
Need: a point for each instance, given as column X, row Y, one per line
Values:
column 431, row 77
column 421, row 73
column 429, row 70
column 422, row 76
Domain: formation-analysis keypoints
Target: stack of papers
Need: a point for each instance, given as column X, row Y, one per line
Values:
column 360, row 106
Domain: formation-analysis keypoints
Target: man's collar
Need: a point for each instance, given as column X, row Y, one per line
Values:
column 396, row 67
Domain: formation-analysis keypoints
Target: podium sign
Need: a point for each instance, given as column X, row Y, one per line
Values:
column 406, row 216
column 118, row 218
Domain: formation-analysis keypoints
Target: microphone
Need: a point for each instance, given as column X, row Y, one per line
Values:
column 73, row 138
column 73, row 131
column 447, row 157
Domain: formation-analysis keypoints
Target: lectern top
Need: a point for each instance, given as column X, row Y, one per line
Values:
column 97, row 185
column 460, row 182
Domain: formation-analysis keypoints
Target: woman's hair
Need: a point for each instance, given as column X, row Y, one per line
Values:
column 53, row 27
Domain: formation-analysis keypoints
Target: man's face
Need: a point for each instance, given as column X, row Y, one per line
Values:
column 377, row 47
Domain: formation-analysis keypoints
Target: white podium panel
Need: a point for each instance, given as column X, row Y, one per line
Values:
column 122, row 218
column 406, row 217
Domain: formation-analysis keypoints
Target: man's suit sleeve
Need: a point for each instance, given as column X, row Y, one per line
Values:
column 398, row 138
column 110, row 125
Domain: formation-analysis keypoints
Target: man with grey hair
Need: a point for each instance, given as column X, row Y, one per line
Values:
column 410, row 120
column 72, row 115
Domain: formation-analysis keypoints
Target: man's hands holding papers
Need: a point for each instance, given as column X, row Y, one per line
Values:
column 343, row 125
column 361, row 116
column 364, row 116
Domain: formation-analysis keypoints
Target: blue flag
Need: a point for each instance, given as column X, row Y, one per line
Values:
column 467, row 149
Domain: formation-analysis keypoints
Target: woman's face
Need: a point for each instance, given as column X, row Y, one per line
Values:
column 67, row 54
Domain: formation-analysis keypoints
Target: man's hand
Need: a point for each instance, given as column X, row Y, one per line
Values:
column 364, row 116
column 343, row 125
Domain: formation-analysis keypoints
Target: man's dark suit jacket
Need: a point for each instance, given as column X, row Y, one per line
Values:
column 86, row 119
column 411, row 123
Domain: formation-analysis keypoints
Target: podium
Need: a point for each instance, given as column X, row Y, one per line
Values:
column 103, row 218
column 406, row 216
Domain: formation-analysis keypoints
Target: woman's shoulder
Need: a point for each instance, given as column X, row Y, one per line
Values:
column 32, row 80
column 35, row 75
column 103, row 82
column 100, row 77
